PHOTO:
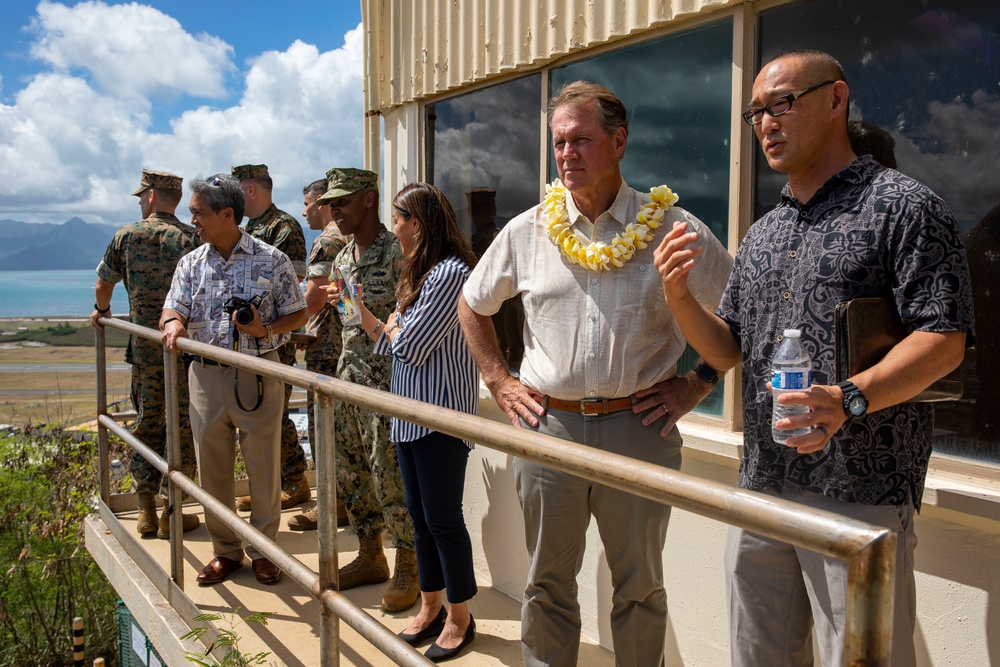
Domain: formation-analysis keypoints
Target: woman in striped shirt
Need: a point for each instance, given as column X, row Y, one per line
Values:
column 431, row 362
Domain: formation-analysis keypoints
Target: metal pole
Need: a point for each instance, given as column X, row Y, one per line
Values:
column 78, row 642
column 174, row 495
column 326, row 499
column 102, row 409
column 871, row 579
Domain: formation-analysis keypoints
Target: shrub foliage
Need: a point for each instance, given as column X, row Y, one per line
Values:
column 47, row 577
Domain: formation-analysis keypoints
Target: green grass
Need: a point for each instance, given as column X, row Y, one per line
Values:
column 65, row 334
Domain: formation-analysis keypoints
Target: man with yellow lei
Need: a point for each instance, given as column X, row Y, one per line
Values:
column 599, row 369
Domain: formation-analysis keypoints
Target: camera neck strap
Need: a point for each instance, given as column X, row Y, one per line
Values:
column 236, row 377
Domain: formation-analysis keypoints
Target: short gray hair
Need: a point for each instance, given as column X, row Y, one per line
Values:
column 221, row 191
column 611, row 112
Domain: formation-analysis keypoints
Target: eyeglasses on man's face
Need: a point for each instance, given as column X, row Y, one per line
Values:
column 779, row 105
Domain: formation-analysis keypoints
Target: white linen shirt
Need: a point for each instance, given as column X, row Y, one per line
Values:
column 593, row 334
column 203, row 280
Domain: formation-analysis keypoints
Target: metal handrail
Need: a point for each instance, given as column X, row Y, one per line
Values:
column 869, row 550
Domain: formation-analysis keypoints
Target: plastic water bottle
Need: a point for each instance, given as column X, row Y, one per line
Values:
column 789, row 372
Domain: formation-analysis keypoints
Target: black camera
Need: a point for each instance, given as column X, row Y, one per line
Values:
column 244, row 315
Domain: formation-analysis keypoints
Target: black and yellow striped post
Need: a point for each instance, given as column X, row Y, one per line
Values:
column 77, row 642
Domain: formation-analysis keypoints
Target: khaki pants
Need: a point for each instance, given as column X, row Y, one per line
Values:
column 215, row 417
column 778, row 592
column 557, row 508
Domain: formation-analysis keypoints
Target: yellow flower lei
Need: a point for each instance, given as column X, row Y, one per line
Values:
column 598, row 256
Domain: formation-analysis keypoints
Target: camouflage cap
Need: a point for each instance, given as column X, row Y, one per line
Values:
column 245, row 171
column 161, row 180
column 343, row 182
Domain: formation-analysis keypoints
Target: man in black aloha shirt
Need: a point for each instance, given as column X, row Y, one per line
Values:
column 845, row 228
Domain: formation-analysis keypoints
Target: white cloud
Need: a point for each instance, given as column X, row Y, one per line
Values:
column 131, row 49
column 300, row 114
column 954, row 153
column 74, row 145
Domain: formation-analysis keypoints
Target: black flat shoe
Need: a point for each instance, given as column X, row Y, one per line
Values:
column 432, row 629
column 437, row 654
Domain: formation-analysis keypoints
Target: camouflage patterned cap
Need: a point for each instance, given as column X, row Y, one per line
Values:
column 343, row 182
column 245, row 171
column 161, row 180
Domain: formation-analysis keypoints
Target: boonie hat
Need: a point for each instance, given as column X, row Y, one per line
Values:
column 161, row 180
column 245, row 171
column 341, row 182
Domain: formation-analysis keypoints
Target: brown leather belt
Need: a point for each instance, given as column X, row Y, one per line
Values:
column 205, row 361
column 591, row 406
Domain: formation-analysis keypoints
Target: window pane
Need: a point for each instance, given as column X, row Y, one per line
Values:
column 487, row 139
column 677, row 90
column 926, row 73
column 482, row 152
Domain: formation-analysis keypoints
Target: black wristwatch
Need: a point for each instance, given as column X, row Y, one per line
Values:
column 707, row 373
column 855, row 403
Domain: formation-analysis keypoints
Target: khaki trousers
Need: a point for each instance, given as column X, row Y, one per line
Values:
column 557, row 508
column 778, row 592
column 215, row 417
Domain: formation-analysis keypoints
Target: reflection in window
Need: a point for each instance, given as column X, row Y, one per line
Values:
column 927, row 73
column 482, row 152
column 487, row 140
column 678, row 93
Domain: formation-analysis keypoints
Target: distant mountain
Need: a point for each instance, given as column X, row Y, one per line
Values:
column 74, row 244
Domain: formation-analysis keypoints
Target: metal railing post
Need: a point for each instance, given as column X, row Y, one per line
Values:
column 326, row 500
column 103, row 448
column 871, row 580
column 173, row 451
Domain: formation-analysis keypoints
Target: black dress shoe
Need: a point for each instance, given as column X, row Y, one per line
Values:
column 432, row 629
column 217, row 570
column 437, row 654
column 265, row 571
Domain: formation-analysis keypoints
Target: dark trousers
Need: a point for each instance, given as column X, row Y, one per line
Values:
column 433, row 471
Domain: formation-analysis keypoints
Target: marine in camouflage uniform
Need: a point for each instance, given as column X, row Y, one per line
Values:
column 143, row 256
column 284, row 232
column 323, row 354
column 368, row 479
column 367, row 470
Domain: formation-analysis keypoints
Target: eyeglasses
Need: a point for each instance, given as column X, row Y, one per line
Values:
column 779, row 106
column 215, row 182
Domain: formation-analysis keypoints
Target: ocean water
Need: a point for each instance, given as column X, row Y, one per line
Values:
column 53, row 294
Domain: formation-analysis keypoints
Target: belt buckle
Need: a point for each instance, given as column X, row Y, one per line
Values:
column 600, row 403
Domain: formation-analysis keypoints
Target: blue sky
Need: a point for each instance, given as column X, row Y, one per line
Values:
column 92, row 92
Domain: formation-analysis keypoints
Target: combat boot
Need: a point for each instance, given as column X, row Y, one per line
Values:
column 147, row 522
column 294, row 491
column 404, row 587
column 370, row 567
column 309, row 520
column 190, row 522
